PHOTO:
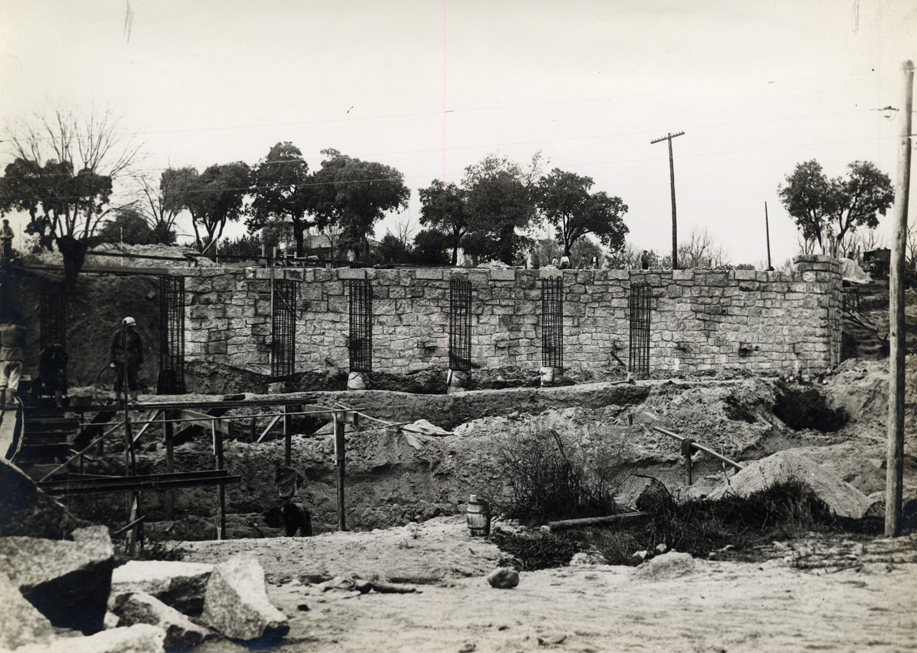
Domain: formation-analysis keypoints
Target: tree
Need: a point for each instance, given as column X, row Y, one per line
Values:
column 353, row 195
column 280, row 188
column 65, row 167
column 212, row 198
column 430, row 247
column 700, row 252
column 500, row 206
column 566, row 203
column 129, row 226
column 160, row 217
column 814, row 201
column 443, row 208
column 394, row 251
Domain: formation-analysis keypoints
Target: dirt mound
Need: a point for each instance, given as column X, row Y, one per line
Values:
column 842, row 499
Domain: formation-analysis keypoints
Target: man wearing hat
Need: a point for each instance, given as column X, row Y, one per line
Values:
column 12, row 355
column 126, row 352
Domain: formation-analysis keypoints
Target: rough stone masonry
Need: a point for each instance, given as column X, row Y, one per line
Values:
column 700, row 319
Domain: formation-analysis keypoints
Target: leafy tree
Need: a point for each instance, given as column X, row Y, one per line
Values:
column 212, row 198
column 394, row 251
column 353, row 195
column 129, row 227
column 566, row 203
column 430, row 247
column 814, row 201
column 443, row 209
column 280, row 188
column 500, row 206
column 64, row 169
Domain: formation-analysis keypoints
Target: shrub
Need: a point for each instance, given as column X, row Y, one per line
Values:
column 548, row 478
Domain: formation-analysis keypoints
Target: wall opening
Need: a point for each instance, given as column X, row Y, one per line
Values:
column 552, row 322
column 283, row 328
column 640, row 309
column 459, row 324
column 360, row 340
column 171, row 379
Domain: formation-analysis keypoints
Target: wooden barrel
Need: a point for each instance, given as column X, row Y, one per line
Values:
column 478, row 516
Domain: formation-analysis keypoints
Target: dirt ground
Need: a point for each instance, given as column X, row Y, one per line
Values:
column 838, row 595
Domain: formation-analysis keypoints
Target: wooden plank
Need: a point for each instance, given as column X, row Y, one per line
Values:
column 700, row 447
column 594, row 521
column 221, row 489
column 170, row 462
column 194, row 418
column 113, row 484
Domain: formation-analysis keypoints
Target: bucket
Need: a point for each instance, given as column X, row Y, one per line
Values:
column 478, row 516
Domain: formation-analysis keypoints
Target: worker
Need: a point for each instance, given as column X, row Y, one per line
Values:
column 126, row 355
column 12, row 355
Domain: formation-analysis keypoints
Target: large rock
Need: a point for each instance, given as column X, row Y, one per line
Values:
column 140, row 638
column 68, row 582
column 665, row 566
column 20, row 622
column 27, row 511
column 236, row 602
column 181, row 585
column 141, row 608
column 842, row 499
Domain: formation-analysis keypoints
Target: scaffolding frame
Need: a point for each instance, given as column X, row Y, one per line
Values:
column 640, row 310
column 552, row 322
column 360, row 340
column 459, row 324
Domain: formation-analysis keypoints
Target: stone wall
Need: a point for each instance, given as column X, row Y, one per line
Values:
column 700, row 320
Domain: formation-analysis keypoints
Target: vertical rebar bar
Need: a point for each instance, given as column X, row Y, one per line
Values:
column 171, row 335
column 53, row 315
column 283, row 328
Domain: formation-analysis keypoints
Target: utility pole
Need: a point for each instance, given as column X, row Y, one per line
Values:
column 894, row 477
column 669, row 138
column 767, row 230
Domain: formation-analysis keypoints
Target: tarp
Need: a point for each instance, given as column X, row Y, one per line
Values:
column 852, row 272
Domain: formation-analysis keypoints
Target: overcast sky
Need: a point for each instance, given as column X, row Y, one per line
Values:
column 431, row 87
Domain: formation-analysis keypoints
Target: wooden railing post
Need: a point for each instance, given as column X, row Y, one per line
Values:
column 221, row 488
column 338, row 420
column 168, row 416
column 687, row 448
column 287, row 436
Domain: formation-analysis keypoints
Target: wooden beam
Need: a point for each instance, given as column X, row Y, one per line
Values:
column 593, row 521
column 339, row 456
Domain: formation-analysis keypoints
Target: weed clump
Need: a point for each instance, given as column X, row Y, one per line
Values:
column 548, row 478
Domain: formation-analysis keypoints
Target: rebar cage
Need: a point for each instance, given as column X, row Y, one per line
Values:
column 360, row 340
column 171, row 336
column 283, row 328
column 459, row 324
column 552, row 322
column 640, row 308
column 53, row 314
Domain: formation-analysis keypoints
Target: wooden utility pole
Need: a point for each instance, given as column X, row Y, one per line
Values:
column 767, row 230
column 669, row 138
column 895, row 464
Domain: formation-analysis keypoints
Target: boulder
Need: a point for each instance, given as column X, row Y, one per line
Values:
column 236, row 602
column 181, row 585
column 140, row 638
column 141, row 608
column 68, row 582
column 666, row 566
column 842, row 499
column 503, row 578
column 20, row 622
column 27, row 511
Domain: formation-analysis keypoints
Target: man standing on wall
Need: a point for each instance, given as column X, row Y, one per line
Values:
column 126, row 356
column 6, row 242
column 12, row 354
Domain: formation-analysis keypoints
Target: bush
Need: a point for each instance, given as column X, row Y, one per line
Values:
column 549, row 479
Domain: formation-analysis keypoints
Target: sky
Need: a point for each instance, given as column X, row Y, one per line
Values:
column 431, row 87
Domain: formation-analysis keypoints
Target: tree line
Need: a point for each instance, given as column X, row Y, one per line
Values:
column 65, row 168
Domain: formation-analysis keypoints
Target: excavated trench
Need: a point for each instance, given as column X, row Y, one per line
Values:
column 394, row 478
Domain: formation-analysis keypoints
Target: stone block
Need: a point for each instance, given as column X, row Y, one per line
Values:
column 140, row 608
column 20, row 623
column 428, row 273
column 68, row 582
column 501, row 274
column 344, row 274
column 236, row 603
column 745, row 275
column 683, row 275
